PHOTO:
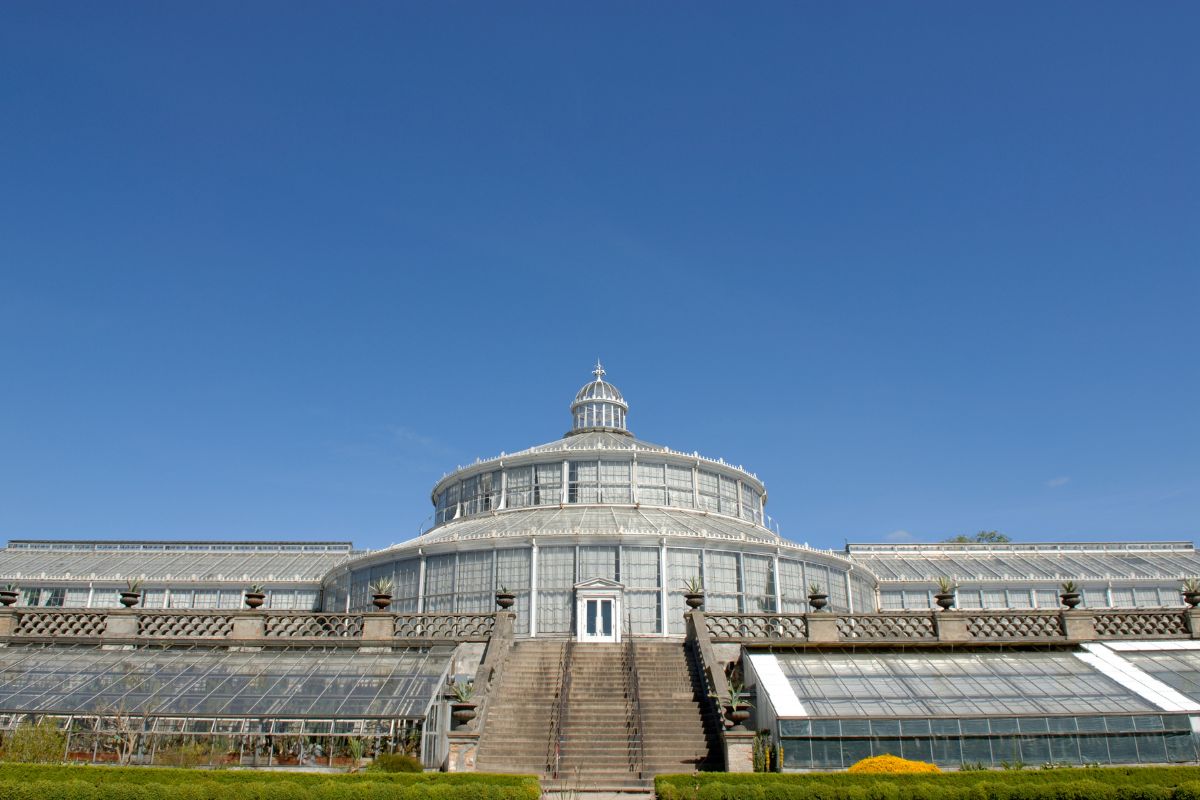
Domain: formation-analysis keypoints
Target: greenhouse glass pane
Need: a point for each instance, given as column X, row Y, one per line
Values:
column 201, row 682
column 917, row 684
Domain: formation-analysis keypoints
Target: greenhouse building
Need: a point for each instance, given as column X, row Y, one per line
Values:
column 607, row 608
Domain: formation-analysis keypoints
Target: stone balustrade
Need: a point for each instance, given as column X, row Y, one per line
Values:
column 975, row 627
column 239, row 628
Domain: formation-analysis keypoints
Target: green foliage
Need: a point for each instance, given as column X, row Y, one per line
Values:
column 971, row 783
column 983, row 537
column 42, row 743
column 41, row 782
column 185, row 754
column 395, row 762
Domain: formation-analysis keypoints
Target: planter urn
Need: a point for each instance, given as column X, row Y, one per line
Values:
column 1191, row 598
column 694, row 600
column 738, row 716
column 130, row 599
column 255, row 599
column 945, row 600
column 818, row 601
column 462, row 713
column 505, row 600
column 8, row 597
column 381, row 601
column 1070, row 599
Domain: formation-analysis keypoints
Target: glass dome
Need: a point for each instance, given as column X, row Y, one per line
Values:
column 598, row 406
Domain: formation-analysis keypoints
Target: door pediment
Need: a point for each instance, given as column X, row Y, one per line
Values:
column 599, row 583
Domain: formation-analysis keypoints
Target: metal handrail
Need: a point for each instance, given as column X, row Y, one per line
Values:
column 558, row 718
column 635, row 696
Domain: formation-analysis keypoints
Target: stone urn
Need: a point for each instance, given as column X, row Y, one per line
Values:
column 945, row 600
column 738, row 715
column 9, row 596
column 818, row 600
column 130, row 599
column 255, row 599
column 505, row 600
column 381, row 601
column 462, row 713
column 1191, row 598
column 694, row 600
column 1070, row 599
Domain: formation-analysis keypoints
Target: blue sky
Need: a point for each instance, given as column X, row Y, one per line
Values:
column 269, row 270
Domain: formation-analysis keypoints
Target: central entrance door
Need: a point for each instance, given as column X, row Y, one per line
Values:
column 598, row 611
column 598, row 620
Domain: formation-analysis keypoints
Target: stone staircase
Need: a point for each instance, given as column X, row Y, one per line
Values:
column 606, row 746
column 682, row 733
column 599, row 746
column 516, row 728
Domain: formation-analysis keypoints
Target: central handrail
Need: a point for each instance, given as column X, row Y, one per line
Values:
column 559, row 714
column 635, row 697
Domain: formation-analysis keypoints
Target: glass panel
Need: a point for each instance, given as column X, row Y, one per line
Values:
column 954, row 684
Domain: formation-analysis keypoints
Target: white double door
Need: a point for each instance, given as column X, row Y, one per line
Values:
column 596, row 623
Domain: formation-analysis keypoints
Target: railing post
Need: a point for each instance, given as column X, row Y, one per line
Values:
column 951, row 626
column 378, row 626
column 121, row 626
column 8, row 621
column 1078, row 625
column 1193, row 622
column 249, row 626
column 822, row 628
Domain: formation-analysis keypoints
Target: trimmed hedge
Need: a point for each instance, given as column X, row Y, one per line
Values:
column 42, row 782
column 1107, row 783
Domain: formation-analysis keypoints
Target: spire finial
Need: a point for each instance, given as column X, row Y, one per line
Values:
column 599, row 370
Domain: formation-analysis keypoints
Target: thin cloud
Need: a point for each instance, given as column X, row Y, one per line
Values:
column 1062, row 480
column 900, row 537
column 413, row 443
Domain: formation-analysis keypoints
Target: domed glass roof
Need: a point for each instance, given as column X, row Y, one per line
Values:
column 598, row 406
column 599, row 389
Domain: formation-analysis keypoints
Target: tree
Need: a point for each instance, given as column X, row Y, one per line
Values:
column 39, row 743
column 983, row 537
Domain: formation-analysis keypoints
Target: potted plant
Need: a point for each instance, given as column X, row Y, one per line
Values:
column 255, row 596
column 505, row 599
column 737, row 705
column 132, row 593
column 8, row 595
column 817, row 598
column 1190, row 591
column 381, row 593
column 693, row 592
column 945, row 593
column 1069, row 594
column 462, row 707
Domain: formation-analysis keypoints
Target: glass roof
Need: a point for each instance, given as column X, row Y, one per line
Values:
column 598, row 520
column 291, row 682
column 287, row 563
column 953, row 684
column 1029, row 564
column 1179, row 669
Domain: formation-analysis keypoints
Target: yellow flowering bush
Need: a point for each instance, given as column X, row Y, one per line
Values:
column 891, row 765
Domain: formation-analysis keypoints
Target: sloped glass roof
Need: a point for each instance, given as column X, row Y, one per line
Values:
column 236, row 563
column 570, row 520
column 288, row 682
column 1046, row 562
column 953, row 684
column 1179, row 669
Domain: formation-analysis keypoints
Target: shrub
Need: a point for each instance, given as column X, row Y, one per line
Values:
column 891, row 765
column 396, row 762
column 185, row 754
column 42, row 743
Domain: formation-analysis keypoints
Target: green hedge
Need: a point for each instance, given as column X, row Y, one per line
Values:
column 1110, row 783
column 45, row 782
